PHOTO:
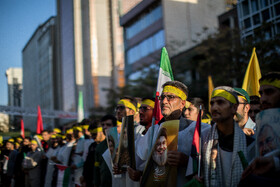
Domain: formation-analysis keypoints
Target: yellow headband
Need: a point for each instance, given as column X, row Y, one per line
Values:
column 149, row 102
column 188, row 104
column 127, row 104
column 34, row 142
column 275, row 83
column 40, row 137
column 78, row 129
column 11, row 140
column 57, row 130
column 96, row 130
column 69, row 131
column 243, row 97
column 53, row 136
column 119, row 123
column 222, row 93
column 85, row 126
column 176, row 91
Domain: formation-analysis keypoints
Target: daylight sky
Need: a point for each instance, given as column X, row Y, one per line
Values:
column 18, row 21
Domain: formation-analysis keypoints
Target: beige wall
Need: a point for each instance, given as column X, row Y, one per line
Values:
column 184, row 19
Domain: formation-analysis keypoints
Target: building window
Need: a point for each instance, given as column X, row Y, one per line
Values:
column 247, row 23
column 265, row 15
column 254, row 5
column 264, row 3
column 245, row 7
column 146, row 47
column 278, row 28
column 256, row 19
column 277, row 9
column 143, row 22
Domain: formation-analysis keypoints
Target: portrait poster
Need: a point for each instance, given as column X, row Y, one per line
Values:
column 112, row 142
column 268, row 131
column 157, row 171
column 126, row 148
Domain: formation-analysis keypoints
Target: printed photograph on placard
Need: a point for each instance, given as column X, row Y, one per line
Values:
column 157, row 171
column 126, row 150
column 112, row 142
column 268, row 131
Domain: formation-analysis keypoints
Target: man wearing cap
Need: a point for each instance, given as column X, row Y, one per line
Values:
column 102, row 174
column 172, row 102
column 227, row 139
column 32, row 165
column 242, row 113
column 266, row 167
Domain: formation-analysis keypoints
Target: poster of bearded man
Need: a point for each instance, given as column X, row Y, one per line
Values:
column 157, row 171
column 112, row 142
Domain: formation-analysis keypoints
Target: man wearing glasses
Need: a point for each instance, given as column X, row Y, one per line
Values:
column 172, row 102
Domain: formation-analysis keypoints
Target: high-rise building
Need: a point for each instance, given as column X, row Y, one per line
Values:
column 91, row 51
column 253, row 13
column 14, row 80
column 178, row 25
column 40, row 77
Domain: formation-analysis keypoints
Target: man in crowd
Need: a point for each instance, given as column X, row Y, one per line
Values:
column 128, row 106
column 172, row 102
column 242, row 113
column 32, row 166
column 255, row 107
column 225, row 135
column 267, row 169
column 10, row 159
column 102, row 174
column 192, row 110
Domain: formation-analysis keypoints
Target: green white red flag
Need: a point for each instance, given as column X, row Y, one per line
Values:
column 63, row 176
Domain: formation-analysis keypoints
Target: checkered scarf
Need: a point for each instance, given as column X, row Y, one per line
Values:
column 213, row 171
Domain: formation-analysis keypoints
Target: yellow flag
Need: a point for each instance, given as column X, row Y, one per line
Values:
column 210, row 89
column 253, row 73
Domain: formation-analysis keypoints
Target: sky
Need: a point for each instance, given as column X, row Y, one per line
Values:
column 19, row 19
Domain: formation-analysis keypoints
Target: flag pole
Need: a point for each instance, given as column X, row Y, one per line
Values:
column 199, row 154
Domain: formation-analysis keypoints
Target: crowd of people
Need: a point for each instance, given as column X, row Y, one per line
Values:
column 79, row 156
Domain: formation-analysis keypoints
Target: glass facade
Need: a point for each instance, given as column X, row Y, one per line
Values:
column 252, row 13
column 146, row 47
column 67, row 56
column 143, row 22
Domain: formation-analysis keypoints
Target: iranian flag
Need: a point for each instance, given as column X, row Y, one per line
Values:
column 164, row 75
column 63, row 176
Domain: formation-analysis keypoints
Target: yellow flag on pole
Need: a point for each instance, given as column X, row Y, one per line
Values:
column 210, row 89
column 253, row 73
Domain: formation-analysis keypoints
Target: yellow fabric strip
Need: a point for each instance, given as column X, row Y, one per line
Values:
column 188, row 104
column 243, row 97
column 85, row 126
column 149, row 102
column 222, row 93
column 78, row 129
column 119, row 123
column 96, row 164
column 34, row 142
column 127, row 104
column 96, row 130
column 275, row 83
column 69, row 131
column 176, row 91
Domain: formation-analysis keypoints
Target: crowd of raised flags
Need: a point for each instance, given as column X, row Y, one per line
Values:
column 82, row 154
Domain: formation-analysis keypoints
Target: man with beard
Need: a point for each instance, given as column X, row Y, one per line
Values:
column 172, row 102
column 255, row 107
column 266, row 168
column 228, row 138
column 242, row 113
